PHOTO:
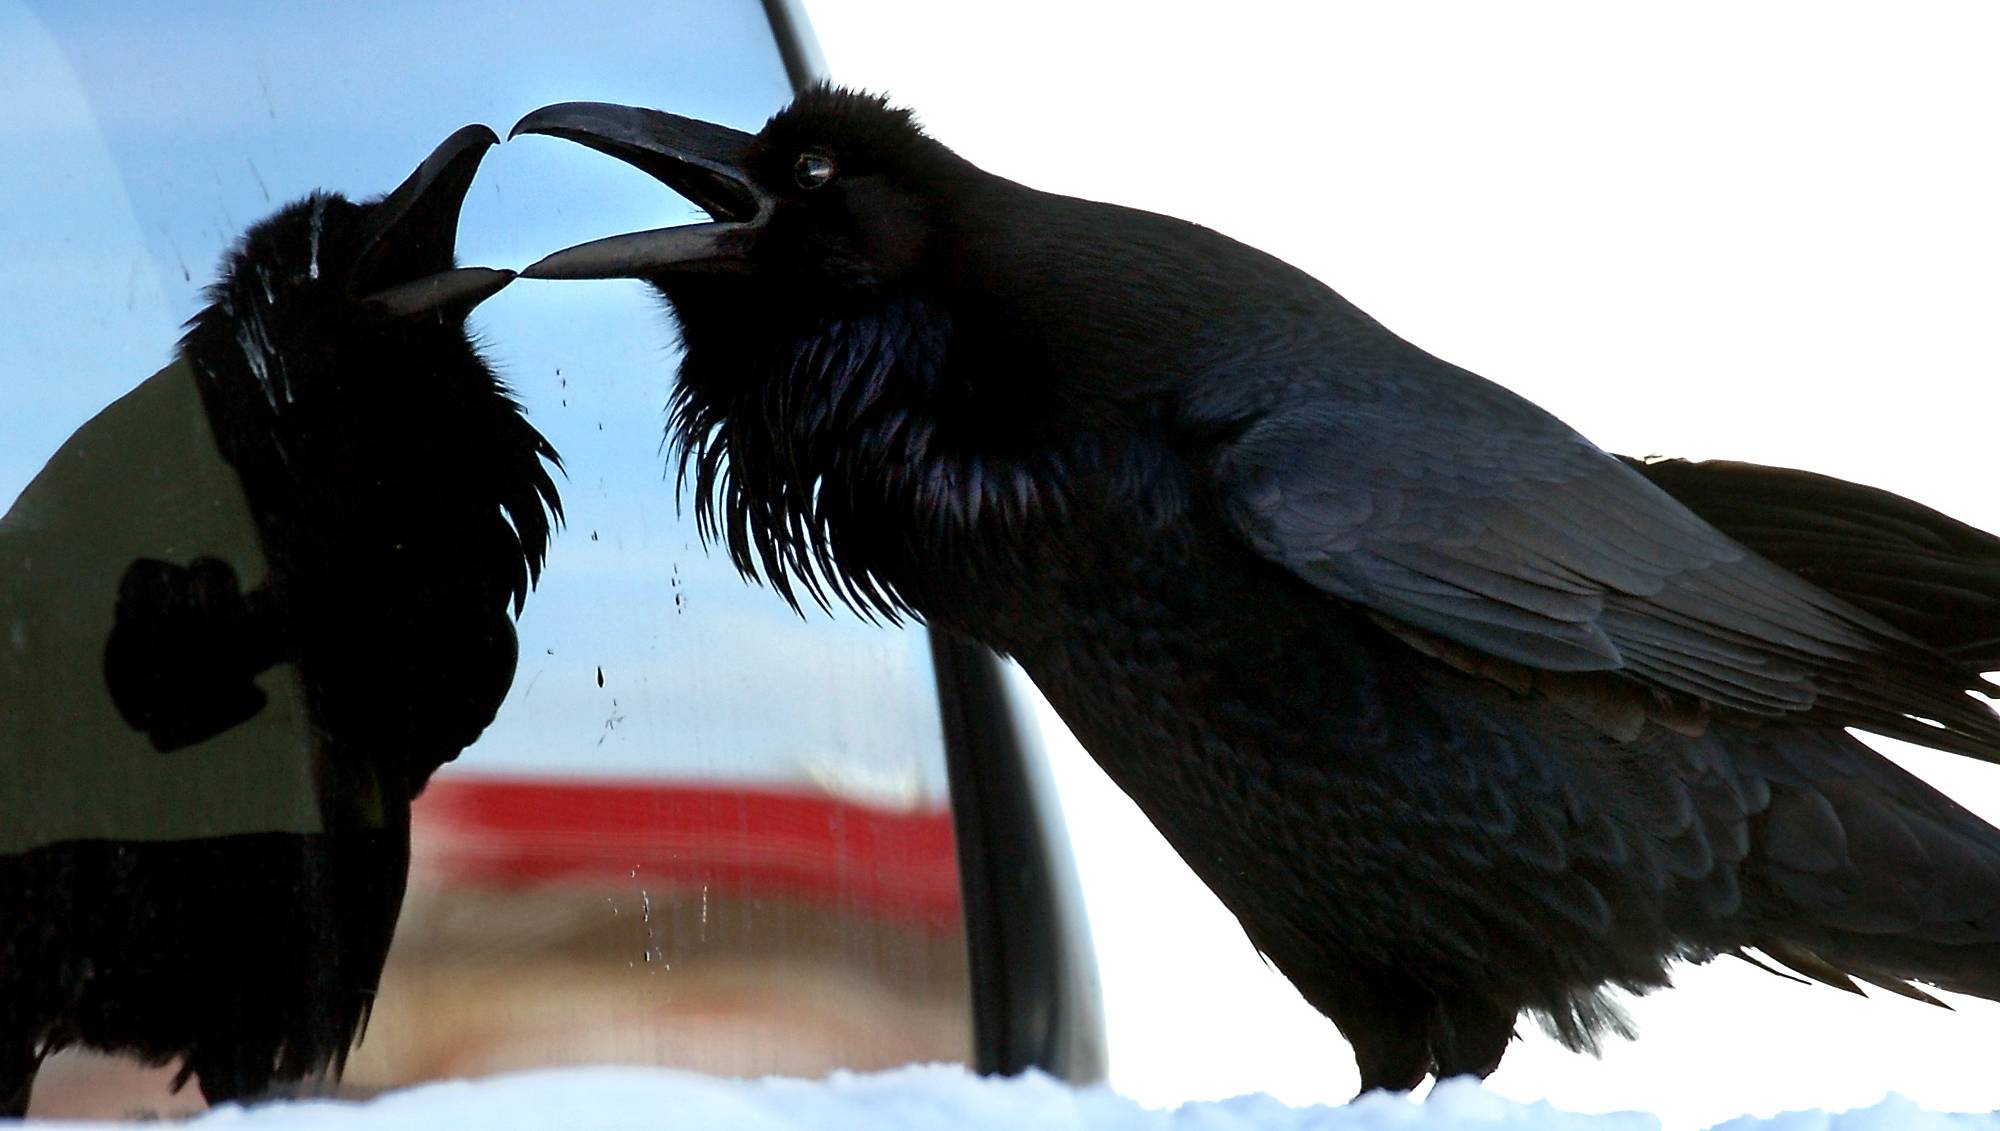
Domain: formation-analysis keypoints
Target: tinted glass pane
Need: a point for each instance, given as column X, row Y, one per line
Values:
column 700, row 831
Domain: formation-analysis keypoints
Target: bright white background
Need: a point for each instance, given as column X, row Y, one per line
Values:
column 1761, row 231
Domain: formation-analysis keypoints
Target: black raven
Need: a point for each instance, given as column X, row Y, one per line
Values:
column 1458, row 714
column 253, row 605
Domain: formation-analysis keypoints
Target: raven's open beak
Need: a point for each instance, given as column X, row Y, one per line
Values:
column 700, row 160
column 406, row 266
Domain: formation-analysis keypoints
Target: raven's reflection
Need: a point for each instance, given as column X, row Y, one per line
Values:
column 245, row 612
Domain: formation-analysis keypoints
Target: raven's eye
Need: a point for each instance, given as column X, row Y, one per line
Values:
column 814, row 168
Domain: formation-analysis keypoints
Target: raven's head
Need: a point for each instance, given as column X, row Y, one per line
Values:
column 325, row 266
column 860, row 383
column 342, row 384
column 811, row 315
column 840, row 194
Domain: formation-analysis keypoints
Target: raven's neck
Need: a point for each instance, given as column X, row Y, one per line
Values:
column 358, row 438
column 887, row 458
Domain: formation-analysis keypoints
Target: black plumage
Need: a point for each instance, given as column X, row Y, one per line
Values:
column 1458, row 714
column 395, row 507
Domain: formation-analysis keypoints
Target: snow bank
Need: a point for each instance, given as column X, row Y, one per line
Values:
column 947, row 1098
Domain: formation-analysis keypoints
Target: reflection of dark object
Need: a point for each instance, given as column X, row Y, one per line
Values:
column 182, row 653
column 1458, row 714
column 402, row 509
column 1034, row 985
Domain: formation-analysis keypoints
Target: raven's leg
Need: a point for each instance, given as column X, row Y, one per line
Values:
column 1391, row 1053
column 1468, row 1037
column 230, row 1075
column 18, row 1065
column 1386, row 1018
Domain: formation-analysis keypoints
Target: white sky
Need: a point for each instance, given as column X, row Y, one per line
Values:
column 1766, row 232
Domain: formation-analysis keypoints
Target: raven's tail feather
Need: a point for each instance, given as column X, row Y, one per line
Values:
column 1925, row 573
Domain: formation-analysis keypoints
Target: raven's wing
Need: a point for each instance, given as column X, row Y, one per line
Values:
column 1467, row 512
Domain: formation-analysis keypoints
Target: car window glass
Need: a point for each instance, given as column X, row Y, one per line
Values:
column 702, row 830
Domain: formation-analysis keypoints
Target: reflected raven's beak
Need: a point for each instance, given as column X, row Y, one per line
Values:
column 407, row 256
column 700, row 160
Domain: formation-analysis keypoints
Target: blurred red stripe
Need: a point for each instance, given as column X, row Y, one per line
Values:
column 747, row 840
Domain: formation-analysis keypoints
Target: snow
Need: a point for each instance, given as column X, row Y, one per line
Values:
column 920, row 1098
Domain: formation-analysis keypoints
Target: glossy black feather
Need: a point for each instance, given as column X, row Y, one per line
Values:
column 1459, row 715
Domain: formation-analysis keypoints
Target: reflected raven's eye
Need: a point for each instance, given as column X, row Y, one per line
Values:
column 815, row 167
